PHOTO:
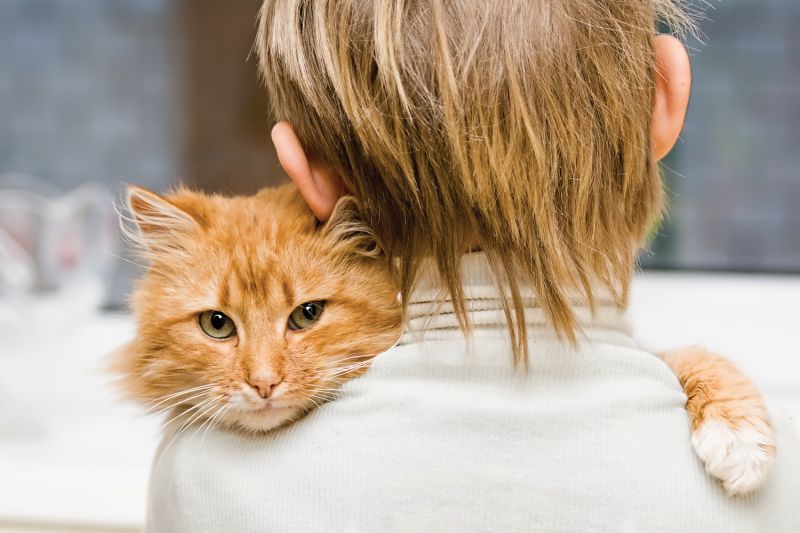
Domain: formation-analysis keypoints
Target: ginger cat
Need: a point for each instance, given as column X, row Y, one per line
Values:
column 251, row 313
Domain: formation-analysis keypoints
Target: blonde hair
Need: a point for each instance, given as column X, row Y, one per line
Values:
column 519, row 126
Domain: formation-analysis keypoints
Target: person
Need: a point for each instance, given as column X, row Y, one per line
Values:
column 506, row 156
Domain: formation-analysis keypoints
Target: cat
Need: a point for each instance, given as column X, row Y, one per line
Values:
column 252, row 312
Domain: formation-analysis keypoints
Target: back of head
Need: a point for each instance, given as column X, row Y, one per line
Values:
column 518, row 127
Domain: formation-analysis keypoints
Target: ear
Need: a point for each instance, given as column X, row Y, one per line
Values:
column 319, row 185
column 347, row 229
column 157, row 219
column 673, row 86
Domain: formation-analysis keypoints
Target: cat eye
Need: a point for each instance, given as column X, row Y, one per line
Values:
column 216, row 325
column 305, row 315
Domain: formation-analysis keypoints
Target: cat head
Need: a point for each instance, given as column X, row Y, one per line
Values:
column 250, row 311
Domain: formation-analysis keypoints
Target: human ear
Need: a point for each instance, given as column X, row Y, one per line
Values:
column 318, row 183
column 673, row 83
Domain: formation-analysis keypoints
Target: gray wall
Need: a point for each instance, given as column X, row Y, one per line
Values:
column 88, row 90
column 149, row 91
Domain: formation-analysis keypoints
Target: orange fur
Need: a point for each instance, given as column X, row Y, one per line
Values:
column 255, row 259
column 720, row 396
column 715, row 388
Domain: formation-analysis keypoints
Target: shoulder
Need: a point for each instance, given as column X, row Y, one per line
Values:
column 438, row 436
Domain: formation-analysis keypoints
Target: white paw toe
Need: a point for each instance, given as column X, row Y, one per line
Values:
column 740, row 458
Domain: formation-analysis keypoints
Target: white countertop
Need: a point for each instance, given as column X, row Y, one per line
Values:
column 750, row 319
column 73, row 458
column 70, row 453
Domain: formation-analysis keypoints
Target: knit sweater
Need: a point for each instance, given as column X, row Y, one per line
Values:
column 443, row 434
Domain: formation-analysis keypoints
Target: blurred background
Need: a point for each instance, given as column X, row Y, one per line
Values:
column 95, row 94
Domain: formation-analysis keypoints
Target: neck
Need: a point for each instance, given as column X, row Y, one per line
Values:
column 431, row 311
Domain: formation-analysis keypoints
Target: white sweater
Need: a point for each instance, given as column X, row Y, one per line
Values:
column 440, row 435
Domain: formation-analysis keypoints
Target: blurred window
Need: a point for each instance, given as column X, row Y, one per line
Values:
column 734, row 178
column 155, row 91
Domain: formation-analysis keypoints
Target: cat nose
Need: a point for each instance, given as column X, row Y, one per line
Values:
column 265, row 383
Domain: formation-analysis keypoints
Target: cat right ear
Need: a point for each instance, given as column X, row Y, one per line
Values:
column 159, row 224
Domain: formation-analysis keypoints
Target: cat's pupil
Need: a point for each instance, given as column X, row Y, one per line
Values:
column 310, row 311
column 305, row 315
column 217, row 320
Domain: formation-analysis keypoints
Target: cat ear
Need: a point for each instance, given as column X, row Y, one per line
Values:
column 159, row 223
column 346, row 227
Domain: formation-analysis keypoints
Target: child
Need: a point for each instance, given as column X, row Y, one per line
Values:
column 529, row 130
column 528, row 133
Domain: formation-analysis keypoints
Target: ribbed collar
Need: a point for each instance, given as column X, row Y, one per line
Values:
column 431, row 315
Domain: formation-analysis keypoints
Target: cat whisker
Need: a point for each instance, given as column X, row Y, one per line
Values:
column 211, row 420
column 216, row 418
column 320, row 395
column 352, row 365
column 180, row 402
column 165, row 397
column 329, row 394
column 168, row 395
column 207, row 406
column 178, row 432
column 346, row 369
column 337, row 362
column 177, row 401
column 201, row 409
column 314, row 401
column 334, row 392
column 184, row 412
column 331, row 389
column 199, row 415
column 365, row 360
column 117, row 256
column 306, row 397
column 325, row 399
column 342, row 372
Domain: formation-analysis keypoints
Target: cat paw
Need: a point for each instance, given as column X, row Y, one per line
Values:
column 740, row 457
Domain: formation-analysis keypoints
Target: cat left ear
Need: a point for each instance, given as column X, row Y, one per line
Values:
column 347, row 228
column 158, row 220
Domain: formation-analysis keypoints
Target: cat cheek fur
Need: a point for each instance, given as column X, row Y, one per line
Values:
column 161, row 363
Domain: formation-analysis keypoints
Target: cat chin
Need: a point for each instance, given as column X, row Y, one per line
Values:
column 264, row 420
